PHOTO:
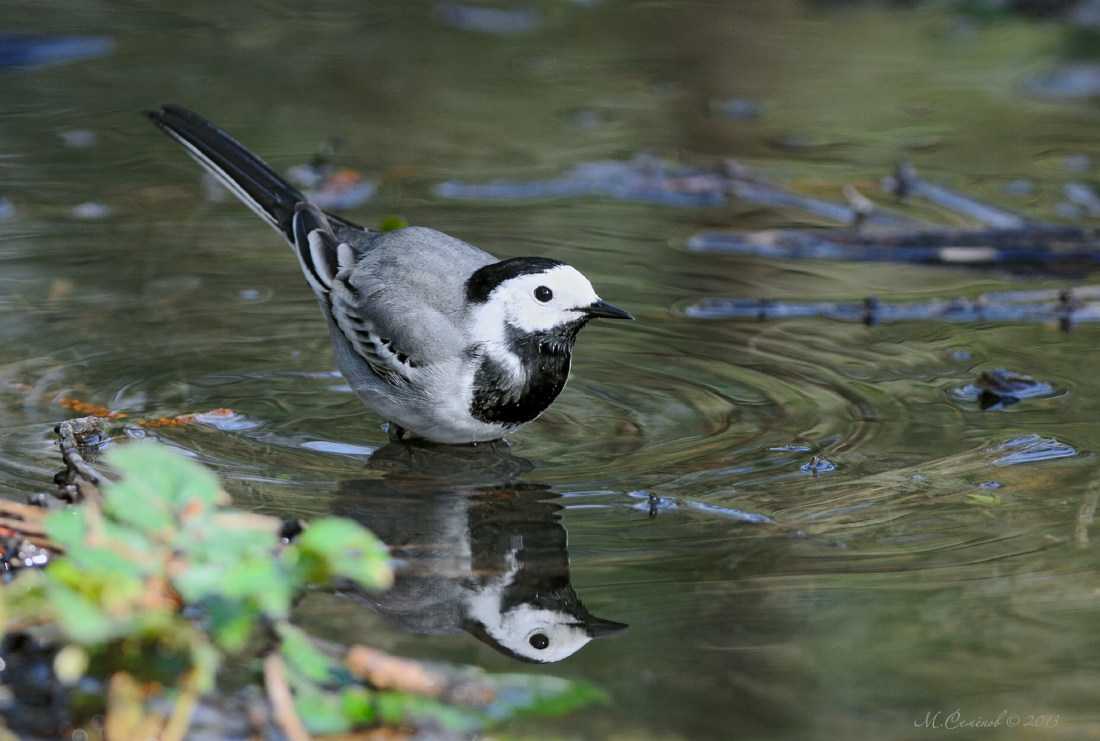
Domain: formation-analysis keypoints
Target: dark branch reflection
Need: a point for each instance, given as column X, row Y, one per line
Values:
column 476, row 550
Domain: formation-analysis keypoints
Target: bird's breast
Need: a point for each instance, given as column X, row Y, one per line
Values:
column 500, row 396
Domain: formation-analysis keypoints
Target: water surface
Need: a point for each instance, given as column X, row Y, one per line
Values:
column 945, row 563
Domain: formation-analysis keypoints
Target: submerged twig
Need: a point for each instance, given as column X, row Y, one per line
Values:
column 1085, row 516
column 387, row 672
column 654, row 505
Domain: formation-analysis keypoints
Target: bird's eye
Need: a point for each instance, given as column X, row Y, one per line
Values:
column 539, row 641
column 543, row 294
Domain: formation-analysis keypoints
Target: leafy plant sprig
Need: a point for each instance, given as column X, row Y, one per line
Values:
column 161, row 580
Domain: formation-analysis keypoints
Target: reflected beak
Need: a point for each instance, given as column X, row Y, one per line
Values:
column 605, row 310
column 600, row 628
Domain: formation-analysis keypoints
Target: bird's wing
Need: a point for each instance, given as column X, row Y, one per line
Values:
column 409, row 287
column 398, row 297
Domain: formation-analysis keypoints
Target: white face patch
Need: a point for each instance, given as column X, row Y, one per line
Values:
column 540, row 302
column 535, row 633
column 538, row 634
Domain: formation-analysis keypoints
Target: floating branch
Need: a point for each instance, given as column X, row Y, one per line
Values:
column 649, row 179
column 1064, row 308
column 1034, row 243
column 1006, row 237
column 749, row 187
column 904, row 183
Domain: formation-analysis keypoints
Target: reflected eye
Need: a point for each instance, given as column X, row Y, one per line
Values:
column 543, row 294
column 538, row 640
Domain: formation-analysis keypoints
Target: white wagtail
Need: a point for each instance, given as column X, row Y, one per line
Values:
column 492, row 561
column 437, row 336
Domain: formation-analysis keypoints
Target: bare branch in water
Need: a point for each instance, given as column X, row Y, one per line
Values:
column 70, row 436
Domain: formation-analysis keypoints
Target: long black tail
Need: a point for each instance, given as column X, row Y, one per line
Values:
column 246, row 175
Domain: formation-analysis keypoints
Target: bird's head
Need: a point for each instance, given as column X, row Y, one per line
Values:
column 541, row 635
column 537, row 295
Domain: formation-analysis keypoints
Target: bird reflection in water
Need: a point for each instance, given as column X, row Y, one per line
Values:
column 475, row 550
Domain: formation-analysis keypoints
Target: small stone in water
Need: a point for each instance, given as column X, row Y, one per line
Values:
column 999, row 388
column 215, row 191
column 1082, row 195
column 1076, row 163
column 818, row 465
column 489, row 20
column 1019, row 187
column 739, row 109
column 797, row 142
column 586, row 120
column 1069, row 81
column 91, row 210
column 78, row 138
column 1065, row 210
column 345, row 189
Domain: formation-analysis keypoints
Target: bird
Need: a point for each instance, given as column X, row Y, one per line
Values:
column 440, row 338
column 475, row 550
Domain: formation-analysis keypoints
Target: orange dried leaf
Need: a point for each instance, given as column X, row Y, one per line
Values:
column 92, row 410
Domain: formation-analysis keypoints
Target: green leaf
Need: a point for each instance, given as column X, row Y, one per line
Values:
column 103, row 563
column 133, row 502
column 141, row 550
column 252, row 578
column 206, row 659
column 357, row 705
column 118, row 593
column 80, row 619
column 204, row 540
column 321, row 712
column 25, row 598
column 275, row 602
column 987, row 499
column 350, row 550
column 299, row 652
column 397, row 708
column 390, row 223
column 540, row 695
column 157, row 474
column 230, row 624
column 66, row 526
column 198, row 581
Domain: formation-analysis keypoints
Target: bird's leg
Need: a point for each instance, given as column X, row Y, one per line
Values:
column 396, row 432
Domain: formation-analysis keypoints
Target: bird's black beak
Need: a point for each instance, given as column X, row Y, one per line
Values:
column 605, row 310
column 600, row 628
